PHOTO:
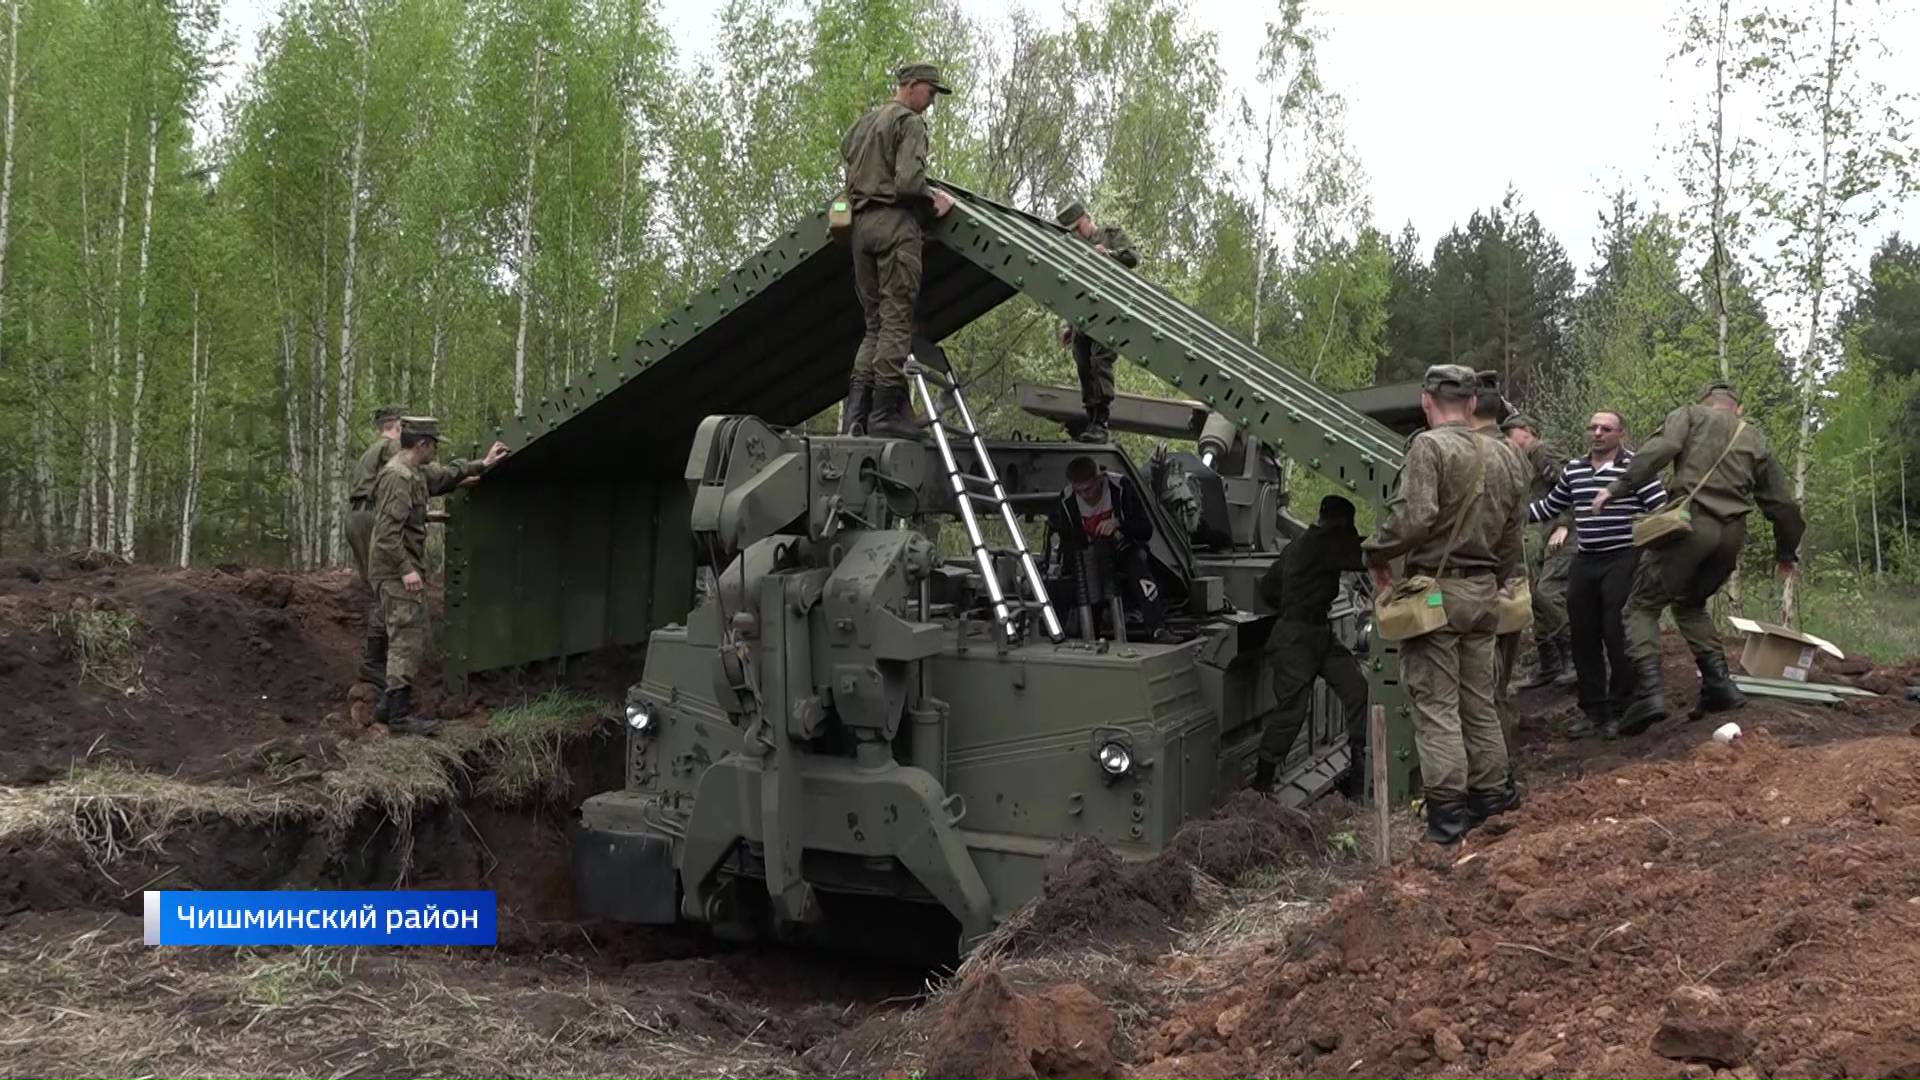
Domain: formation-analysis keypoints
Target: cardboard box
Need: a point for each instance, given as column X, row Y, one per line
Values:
column 1776, row 652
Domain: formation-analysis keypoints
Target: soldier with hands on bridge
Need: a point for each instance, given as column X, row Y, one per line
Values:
column 396, row 567
column 1092, row 360
column 1301, row 585
column 885, row 154
column 441, row 479
column 1725, row 467
column 1455, row 525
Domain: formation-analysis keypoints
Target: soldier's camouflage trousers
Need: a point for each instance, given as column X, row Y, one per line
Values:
column 406, row 619
column 1094, row 363
column 1684, row 575
column 1549, row 570
column 886, row 278
column 359, row 536
column 1506, row 651
column 1449, row 678
column 1302, row 652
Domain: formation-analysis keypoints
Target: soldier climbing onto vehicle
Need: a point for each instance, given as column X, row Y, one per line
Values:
column 1091, row 359
column 1301, row 585
column 1102, row 514
column 1725, row 467
column 885, row 154
column 396, row 567
column 1453, row 524
column 1548, row 558
column 441, row 479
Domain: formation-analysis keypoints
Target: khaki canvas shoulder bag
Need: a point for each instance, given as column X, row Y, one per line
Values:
column 1657, row 530
column 1415, row 607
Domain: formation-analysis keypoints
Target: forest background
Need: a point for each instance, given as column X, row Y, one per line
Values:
column 212, row 269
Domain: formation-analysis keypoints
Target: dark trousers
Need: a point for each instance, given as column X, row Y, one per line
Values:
column 1597, row 587
column 1093, row 362
column 1301, row 653
column 1128, row 567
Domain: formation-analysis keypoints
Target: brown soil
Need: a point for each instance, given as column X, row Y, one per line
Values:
column 987, row 1028
column 222, row 661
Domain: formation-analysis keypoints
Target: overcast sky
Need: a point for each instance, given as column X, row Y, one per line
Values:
column 1449, row 104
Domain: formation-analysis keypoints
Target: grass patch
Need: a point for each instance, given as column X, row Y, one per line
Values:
column 100, row 640
column 109, row 810
column 519, row 755
column 1876, row 619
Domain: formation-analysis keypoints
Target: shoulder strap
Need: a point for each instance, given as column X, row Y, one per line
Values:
column 1731, row 439
column 1467, row 508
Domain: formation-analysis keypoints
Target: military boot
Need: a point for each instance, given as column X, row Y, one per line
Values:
column 892, row 414
column 401, row 717
column 1718, row 692
column 373, row 661
column 1096, row 429
column 1482, row 805
column 1447, row 819
column 1650, row 704
column 1353, row 784
column 1263, row 777
column 1549, row 662
column 853, row 414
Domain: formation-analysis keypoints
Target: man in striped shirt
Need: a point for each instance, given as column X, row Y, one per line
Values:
column 1602, row 571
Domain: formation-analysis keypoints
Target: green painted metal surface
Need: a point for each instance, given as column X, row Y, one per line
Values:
column 579, row 541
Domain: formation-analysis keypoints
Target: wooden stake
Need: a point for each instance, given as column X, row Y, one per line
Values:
column 1377, row 756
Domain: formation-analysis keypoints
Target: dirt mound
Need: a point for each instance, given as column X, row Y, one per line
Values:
column 1091, row 890
column 166, row 669
column 1747, row 908
column 986, row 1028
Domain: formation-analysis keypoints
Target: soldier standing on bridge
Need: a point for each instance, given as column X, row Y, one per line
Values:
column 396, row 567
column 441, row 479
column 1091, row 359
column 1548, row 557
column 1301, row 586
column 1453, row 523
column 1726, row 467
column 885, row 153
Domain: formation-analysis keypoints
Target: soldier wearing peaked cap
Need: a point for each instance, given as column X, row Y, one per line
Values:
column 1490, row 410
column 397, row 565
column 893, row 203
column 1092, row 360
column 1722, row 468
column 1452, row 523
column 441, row 479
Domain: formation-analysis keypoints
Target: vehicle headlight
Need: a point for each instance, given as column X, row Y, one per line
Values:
column 1115, row 759
column 640, row 717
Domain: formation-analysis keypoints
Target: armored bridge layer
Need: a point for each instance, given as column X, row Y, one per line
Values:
column 844, row 714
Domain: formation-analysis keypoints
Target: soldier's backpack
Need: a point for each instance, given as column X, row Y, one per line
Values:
column 1415, row 607
column 1670, row 523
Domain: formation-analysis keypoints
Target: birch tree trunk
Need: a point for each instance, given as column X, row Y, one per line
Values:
column 6, row 153
column 620, row 245
column 1873, row 500
column 343, row 401
column 1720, row 193
column 1816, row 285
column 189, row 501
column 131, row 488
column 107, row 536
column 525, row 264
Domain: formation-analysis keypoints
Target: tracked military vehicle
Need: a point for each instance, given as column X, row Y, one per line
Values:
column 851, row 728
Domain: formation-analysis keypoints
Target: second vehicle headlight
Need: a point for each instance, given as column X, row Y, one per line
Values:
column 1115, row 759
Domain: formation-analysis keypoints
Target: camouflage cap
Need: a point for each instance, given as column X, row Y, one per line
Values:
column 1719, row 386
column 418, row 426
column 1449, row 381
column 926, row 73
column 1520, row 420
column 1071, row 213
column 387, row 414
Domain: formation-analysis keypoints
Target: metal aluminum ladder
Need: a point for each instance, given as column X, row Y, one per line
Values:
column 986, row 488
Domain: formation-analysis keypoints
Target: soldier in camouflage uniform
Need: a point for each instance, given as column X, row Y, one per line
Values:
column 1091, row 359
column 441, row 479
column 885, row 153
column 1301, row 586
column 396, row 566
column 1548, row 558
column 1489, row 411
column 1449, row 477
column 1732, row 475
